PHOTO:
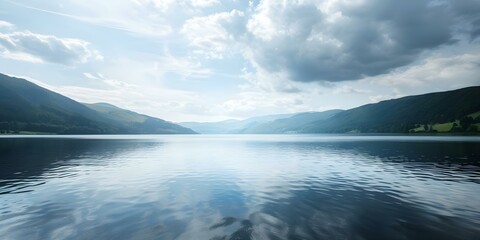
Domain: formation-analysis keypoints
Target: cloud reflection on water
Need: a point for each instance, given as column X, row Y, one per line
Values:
column 239, row 188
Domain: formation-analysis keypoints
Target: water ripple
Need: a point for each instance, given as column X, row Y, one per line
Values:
column 240, row 187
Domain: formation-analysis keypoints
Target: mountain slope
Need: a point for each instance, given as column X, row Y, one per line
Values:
column 29, row 107
column 403, row 114
column 450, row 111
column 291, row 124
column 135, row 122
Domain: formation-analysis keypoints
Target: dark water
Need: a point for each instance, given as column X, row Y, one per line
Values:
column 240, row 187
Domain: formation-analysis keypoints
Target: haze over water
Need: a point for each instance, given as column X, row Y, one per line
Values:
column 240, row 187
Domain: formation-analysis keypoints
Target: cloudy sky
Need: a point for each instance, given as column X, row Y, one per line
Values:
column 208, row 60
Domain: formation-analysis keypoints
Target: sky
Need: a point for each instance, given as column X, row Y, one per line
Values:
column 211, row 60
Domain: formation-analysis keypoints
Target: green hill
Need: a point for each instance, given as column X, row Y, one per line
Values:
column 29, row 108
column 26, row 107
column 450, row 111
column 405, row 114
column 115, row 113
column 135, row 122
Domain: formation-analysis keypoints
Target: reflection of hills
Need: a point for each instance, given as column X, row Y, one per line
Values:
column 418, row 151
column 225, row 203
column 26, row 159
column 457, row 160
column 450, row 161
column 343, row 210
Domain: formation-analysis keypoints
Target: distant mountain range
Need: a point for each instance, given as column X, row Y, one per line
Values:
column 291, row 124
column 451, row 111
column 278, row 123
column 232, row 126
column 29, row 108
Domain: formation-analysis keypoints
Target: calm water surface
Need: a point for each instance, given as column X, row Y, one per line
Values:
column 240, row 187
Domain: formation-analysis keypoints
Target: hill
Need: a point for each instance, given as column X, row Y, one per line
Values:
column 231, row 126
column 450, row 111
column 27, row 107
column 135, row 122
column 403, row 115
column 292, row 124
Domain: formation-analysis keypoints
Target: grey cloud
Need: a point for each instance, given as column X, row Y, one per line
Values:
column 348, row 41
column 48, row 48
column 468, row 13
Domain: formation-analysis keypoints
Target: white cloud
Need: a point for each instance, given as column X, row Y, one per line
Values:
column 379, row 98
column 247, row 104
column 19, row 56
column 181, row 66
column 137, row 17
column 214, row 35
column 90, row 76
column 435, row 73
column 6, row 25
column 165, row 5
column 204, row 3
column 110, row 82
column 160, row 5
column 346, row 89
column 33, row 47
column 270, row 82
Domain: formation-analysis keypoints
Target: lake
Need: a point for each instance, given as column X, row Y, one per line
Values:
column 239, row 187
